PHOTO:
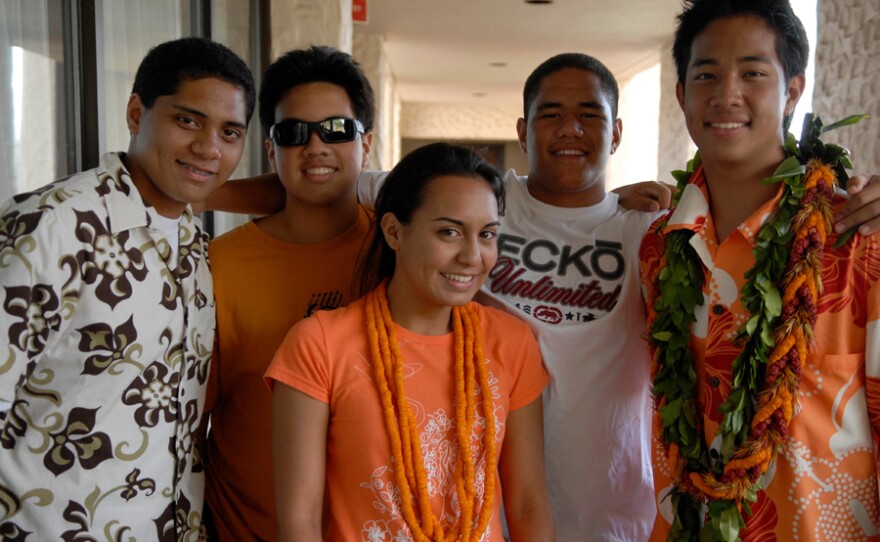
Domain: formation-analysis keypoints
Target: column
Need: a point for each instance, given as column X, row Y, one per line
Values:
column 673, row 143
column 301, row 23
column 848, row 75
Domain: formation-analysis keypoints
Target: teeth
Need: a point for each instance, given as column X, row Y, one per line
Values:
column 195, row 169
column 458, row 278
column 570, row 152
column 727, row 125
column 320, row 171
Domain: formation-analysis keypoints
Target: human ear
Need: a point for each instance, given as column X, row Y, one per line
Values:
column 679, row 95
column 367, row 143
column 133, row 113
column 391, row 229
column 522, row 133
column 616, row 134
column 794, row 92
column 270, row 152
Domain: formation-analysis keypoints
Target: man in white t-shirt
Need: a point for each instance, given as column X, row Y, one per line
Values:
column 568, row 265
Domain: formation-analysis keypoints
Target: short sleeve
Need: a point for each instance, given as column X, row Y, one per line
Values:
column 302, row 361
column 37, row 293
column 529, row 381
column 368, row 185
column 510, row 343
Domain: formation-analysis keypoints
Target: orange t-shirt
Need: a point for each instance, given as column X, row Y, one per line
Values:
column 823, row 486
column 327, row 357
column 262, row 286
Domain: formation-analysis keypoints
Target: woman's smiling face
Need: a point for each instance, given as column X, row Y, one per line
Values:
column 447, row 249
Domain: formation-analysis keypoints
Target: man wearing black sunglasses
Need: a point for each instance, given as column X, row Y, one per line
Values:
column 317, row 107
column 294, row 132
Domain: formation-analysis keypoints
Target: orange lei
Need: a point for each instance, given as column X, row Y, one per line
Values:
column 777, row 403
column 403, row 433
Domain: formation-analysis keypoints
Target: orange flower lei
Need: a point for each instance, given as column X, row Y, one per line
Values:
column 781, row 294
column 403, row 433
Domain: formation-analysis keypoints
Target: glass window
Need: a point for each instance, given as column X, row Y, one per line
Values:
column 33, row 151
column 128, row 29
column 234, row 23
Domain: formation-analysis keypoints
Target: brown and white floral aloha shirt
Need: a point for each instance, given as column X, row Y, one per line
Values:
column 104, row 351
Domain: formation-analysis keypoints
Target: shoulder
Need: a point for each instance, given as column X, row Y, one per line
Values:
column 337, row 324
column 230, row 241
column 76, row 191
column 512, row 181
column 52, row 207
column 497, row 321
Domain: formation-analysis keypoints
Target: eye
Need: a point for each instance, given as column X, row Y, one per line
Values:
column 704, row 76
column 186, row 121
column 590, row 115
column 754, row 73
column 490, row 235
column 231, row 135
column 550, row 115
column 448, row 232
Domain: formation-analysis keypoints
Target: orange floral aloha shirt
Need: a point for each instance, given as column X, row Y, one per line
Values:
column 823, row 486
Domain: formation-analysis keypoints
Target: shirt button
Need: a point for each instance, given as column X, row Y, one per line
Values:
column 718, row 309
column 714, row 382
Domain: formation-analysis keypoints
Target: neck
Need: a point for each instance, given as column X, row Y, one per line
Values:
column 409, row 314
column 148, row 191
column 546, row 191
column 736, row 192
column 306, row 224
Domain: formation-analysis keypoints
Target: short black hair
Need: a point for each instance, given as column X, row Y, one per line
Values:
column 571, row 60
column 317, row 64
column 169, row 64
column 403, row 193
column 792, row 45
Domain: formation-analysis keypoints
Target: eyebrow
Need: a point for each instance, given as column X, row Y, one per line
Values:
column 200, row 114
column 555, row 105
column 460, row 223
column 713, row 62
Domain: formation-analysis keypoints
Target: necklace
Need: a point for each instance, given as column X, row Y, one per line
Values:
column 409, row 465
column 780, row 294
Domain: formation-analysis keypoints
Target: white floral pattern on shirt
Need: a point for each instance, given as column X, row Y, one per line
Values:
column 104, row 357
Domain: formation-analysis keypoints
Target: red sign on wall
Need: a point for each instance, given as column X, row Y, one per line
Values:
column 359, row 11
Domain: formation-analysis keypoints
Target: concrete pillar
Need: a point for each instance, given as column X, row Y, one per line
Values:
column 301, row 23
column 369, row 50
column 673, row 144
column 848, row 75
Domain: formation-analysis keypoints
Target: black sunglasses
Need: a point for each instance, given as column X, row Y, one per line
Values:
column 293, row 132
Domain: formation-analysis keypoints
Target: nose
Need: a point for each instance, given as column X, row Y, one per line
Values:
column 315, row 145
column 570, row 125
column 207, row 145
column 470, row 252
column 727, row 92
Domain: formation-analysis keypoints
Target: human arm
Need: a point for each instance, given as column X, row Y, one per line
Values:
column 38, row 294
column 521, row 467
column 649, row 196
column 261, row 195
column 299, row 446
column 265, row 195
column 863, row 206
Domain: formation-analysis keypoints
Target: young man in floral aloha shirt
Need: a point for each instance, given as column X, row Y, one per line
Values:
column 108, row 315
column 796, row 457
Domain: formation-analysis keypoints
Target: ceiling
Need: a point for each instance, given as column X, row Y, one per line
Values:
column 442, row 51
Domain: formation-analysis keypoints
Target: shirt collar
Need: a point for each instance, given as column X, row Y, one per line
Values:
column 126, row 209
column 692, row 212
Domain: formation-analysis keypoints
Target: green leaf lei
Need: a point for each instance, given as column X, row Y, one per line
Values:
column 680, row 286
